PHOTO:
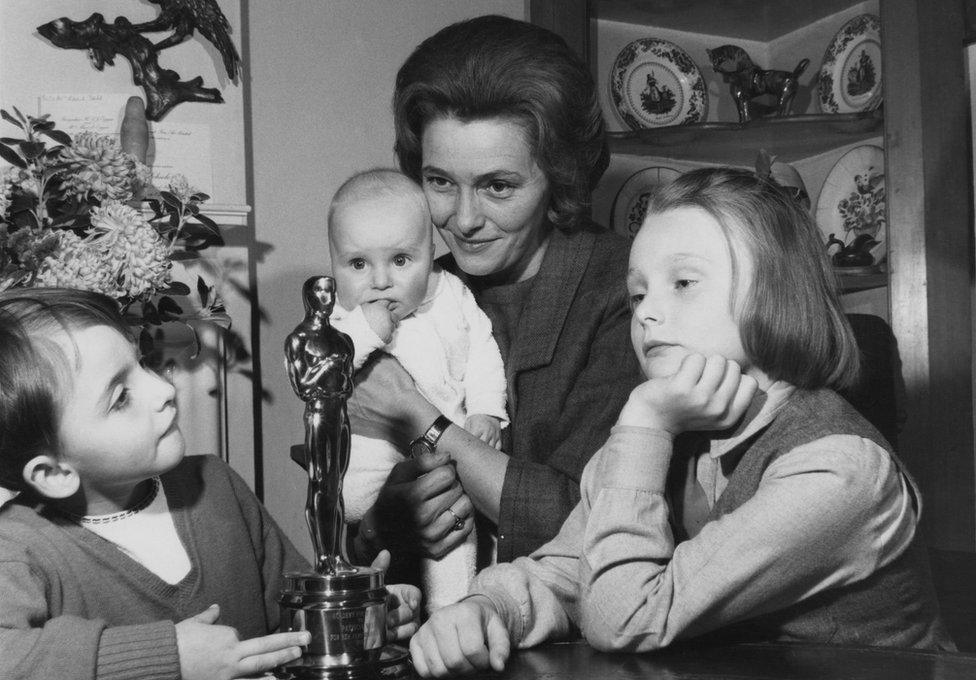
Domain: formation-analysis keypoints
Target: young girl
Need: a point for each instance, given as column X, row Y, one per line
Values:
column 738, row 495
column 120, row 558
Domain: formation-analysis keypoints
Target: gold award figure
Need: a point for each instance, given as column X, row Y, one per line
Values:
column 319, row 362
column 344, row 607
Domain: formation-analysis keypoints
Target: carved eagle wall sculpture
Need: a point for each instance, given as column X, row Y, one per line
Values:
column 162, row 86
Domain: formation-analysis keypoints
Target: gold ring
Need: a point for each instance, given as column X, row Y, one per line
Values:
column 458, row 521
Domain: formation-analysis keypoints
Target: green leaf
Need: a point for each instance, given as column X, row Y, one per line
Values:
column 205, row 235
column 207, row 222
column 176, row 288
column 149, row 314
column 58, row 136
column 180, row 255
column 32, row 150
column 168, row 309
column 203, row 290
column 10, row 119
column 156, row 207
column 221, row 319
column 171, row 199
column 12, row 156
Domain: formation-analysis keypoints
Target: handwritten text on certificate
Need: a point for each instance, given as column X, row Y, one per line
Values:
column 174, row 148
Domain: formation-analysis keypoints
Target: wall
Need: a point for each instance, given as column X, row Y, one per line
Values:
column 321, row 78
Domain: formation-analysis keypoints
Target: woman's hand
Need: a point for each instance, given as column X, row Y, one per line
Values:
column 385, row 403
column 462, row 638
column 704, row 394
column 413, row 512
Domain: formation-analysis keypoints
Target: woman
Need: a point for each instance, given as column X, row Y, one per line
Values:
column 500, row 123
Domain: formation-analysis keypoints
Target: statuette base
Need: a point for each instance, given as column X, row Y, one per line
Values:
column 346, row 614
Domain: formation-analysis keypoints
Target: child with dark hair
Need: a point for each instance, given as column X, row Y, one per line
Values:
column 738, row 497
column 120, row 557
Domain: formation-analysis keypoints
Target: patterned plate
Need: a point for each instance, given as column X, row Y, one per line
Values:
column 655, row 83
column 852, row 200
column 630, row 203
column 850, row 75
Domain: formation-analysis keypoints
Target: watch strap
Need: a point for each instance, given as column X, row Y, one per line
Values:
column 427, row 442
column 436, row 429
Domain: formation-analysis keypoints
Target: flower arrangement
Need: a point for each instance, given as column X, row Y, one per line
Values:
column 72, row 215
column 863, row 210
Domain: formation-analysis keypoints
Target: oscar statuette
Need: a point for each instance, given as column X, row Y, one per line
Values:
column 343, row 606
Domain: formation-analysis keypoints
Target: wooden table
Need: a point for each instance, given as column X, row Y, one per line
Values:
column 577, row 661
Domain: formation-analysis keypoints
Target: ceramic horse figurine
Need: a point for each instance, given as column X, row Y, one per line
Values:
column 748, row 82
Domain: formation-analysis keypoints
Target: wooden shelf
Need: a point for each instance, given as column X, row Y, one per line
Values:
column 758, row 20
column 851, row 284
column 792, row 138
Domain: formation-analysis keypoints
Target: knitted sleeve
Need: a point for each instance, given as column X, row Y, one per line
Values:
column 35, row 647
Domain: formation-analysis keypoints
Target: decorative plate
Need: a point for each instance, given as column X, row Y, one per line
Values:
column 852, row 201
column 655, row 83
column 850, row 75
column 630, row 204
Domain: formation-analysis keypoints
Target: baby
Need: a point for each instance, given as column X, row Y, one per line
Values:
column 393, row 297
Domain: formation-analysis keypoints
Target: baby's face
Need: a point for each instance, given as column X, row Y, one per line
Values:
column 382, row 250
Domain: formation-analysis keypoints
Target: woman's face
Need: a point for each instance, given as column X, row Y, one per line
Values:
column 488, row 197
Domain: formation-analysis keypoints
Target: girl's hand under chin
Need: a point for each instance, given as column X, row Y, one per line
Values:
column 704, row 394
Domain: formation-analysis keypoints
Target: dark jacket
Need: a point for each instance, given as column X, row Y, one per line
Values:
column 570, row 369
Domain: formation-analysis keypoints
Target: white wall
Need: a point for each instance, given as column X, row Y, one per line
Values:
column 321, row 78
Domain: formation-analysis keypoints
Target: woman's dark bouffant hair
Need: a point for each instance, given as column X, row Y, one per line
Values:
column 35, row 372
column 493, row 66
column 790, row 318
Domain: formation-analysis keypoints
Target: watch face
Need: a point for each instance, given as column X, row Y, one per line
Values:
column 420, row 447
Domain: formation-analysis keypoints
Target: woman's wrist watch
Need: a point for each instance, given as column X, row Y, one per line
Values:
column 426, row 443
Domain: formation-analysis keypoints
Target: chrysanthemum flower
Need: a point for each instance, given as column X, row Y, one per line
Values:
column 121, row 256
column 76, row 265
column 97, row 167
column 133, row 249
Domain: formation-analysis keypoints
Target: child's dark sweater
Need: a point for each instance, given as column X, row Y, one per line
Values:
column 74, row 606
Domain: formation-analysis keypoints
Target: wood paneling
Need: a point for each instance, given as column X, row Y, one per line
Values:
column 931, row 256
